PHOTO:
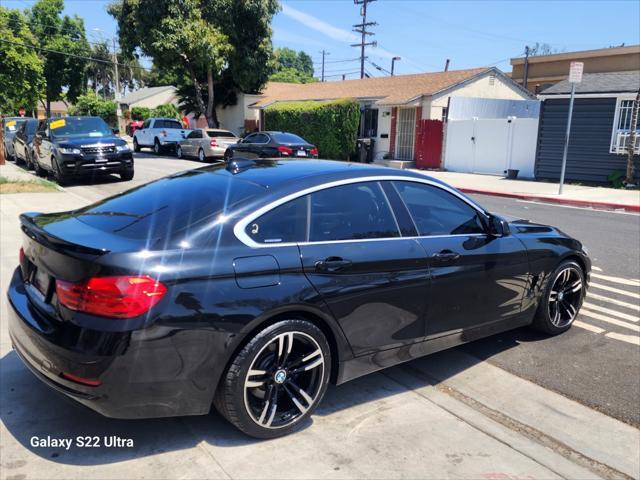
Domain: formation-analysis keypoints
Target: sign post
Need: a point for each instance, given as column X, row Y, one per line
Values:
column 575, row 76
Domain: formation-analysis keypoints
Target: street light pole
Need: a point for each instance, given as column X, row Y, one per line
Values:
column 393, row 64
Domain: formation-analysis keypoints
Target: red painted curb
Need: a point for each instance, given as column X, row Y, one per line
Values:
column 563, row 201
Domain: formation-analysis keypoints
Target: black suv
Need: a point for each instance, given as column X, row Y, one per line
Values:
column 80, row 146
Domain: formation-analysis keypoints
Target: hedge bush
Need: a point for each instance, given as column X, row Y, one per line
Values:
column 140, row 113
column 332, row 126
column 92, row 105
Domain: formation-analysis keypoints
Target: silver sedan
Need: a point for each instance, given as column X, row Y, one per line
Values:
column 204, row 143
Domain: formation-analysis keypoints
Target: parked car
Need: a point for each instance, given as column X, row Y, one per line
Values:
column 252, row 285
column 206, row 143
column 272, row 145
column 10, row 126
column 159, row 134
column 80, row 146
column 132, row 126
column 23, row 141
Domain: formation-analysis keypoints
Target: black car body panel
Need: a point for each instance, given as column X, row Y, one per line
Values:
column 379, row 301
column 23, row 139
column 272, row 145
column 11, row 126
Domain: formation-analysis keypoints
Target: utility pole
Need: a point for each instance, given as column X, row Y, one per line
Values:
column 117, row 85
column 393, row 64
column 323, row 54
column 361, row 28
column 526, row 67
column 446, row 65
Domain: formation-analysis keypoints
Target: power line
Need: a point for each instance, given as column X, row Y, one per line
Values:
column 361, row 28
column 338, row 61
column 378, row 67
column 98, row 60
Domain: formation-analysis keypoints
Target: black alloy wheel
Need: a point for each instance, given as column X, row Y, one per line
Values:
column 276, row 380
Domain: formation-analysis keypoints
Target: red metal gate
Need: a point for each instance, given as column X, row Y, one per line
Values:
column 428, row 144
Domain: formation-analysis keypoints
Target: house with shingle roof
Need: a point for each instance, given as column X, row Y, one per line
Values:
column 403, row 114
column 600, row 127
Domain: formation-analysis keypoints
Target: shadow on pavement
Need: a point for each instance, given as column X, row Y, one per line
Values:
column 30, row 409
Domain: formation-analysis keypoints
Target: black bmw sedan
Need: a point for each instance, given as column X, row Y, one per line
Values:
column 271, row 145
column 253, row 285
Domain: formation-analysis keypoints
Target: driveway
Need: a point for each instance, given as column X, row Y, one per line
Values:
column 450, row 415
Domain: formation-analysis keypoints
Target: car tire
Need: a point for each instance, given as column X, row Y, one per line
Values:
column 126, row 175
column 228, row 155
column 276, row 381
column 136, row 147
column 157, row 148
column 40, row 172
column 60, row 178
column 562, row 298
column 179, row 151
column 201, row 155
column 28, row 162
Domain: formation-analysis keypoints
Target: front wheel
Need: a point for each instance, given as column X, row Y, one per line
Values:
column 179, row 151
column 228, row 155
column 126, row 175
column 136, row 146
column 201, row 155
column 561, row 299
column 60, row 178
column 277, row 380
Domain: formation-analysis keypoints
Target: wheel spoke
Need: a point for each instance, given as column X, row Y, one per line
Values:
column 285, row 343
column 557, row 316
column 297, row 402
column 553, row 296
column 270, row 406
column 255, row 382
column 308, row 362
column 575, row 286
column 571, row 310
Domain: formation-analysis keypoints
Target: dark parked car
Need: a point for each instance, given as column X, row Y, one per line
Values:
column 23, row 141
column 253, row 285
column 271, row 145
column 10, row 126
column 79, row 147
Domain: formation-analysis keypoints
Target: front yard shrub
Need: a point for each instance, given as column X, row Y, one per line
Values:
column 168, row 110
column 140, row 113
column 92, row 105
column 332, row 126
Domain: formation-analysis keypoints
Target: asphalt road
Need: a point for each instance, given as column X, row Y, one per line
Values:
column 596, row 363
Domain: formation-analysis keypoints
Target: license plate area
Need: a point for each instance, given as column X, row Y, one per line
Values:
column 41, row 280
column 301, row 153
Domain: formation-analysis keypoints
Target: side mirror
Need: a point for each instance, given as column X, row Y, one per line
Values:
column 498, row 227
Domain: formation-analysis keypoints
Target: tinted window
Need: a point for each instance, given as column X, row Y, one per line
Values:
column 284, row 224
column 73, row 127
column 217, row 133
column 195, row 134
column 168, row 124
column 351, row 212
column 437, row 212
column 170, row 209
column 261, row 138
column 287, row 138
column 146, row 124
column 250, row 139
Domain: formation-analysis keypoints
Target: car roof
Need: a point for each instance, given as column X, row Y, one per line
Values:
column 276, row 172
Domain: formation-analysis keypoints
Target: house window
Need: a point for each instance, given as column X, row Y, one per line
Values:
column 492, row 80
column 622, row 128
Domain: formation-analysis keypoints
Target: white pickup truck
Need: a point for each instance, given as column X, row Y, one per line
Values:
column 159, row 134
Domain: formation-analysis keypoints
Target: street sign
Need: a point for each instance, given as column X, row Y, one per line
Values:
column 575, row 72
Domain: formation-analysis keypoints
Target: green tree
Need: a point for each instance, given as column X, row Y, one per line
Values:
column 21, row 68
column 91, row 104
column 292, row 67
column 209, row 48
column 65, row 75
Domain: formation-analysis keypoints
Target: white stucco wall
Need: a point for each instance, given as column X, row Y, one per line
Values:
column 232, row 117
column 480, row 88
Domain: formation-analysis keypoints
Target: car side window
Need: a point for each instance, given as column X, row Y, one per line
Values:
column 284, row 224
column 146, row 124
column 350, row 212
column 438, row 212
column 249, row 139
column 261, row 138
column 195, row 134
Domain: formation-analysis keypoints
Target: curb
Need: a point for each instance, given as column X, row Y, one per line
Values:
column 563, row 201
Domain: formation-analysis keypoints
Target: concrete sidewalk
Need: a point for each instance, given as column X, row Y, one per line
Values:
column 449, row 415
column 578, row 195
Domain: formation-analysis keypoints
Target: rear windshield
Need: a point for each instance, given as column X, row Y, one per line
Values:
column 167, row 124
column 172, row 209
column 287, row 138
column 218, row 133
column 75, row 127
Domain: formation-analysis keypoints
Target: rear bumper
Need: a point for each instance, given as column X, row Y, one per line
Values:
column 137, row 375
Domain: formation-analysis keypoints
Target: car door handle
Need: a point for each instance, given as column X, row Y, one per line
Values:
column 332, row 264
column 446, row 256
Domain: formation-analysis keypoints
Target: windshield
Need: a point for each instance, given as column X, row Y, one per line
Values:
column 220, row 133
column 287, row 138
column 73, row 127
column 12, row 125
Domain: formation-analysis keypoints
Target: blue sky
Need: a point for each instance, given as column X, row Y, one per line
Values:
column 425, row 33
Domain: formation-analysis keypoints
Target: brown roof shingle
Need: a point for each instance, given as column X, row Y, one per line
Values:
column 396, row 90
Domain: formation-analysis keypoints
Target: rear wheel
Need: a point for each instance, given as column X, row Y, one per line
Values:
column 201, row 155
column 157, row 148
column 179, row 151
column 136, row 147
column 561, row 299
column 277, row 380
column 228, row 155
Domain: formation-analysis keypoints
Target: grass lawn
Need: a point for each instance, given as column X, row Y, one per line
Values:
column 26, row 186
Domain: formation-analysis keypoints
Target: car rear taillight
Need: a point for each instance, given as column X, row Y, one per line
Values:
column 90, row 382
column 285, row 150
column 313, row 151
column 213, row 143
column 114, row 297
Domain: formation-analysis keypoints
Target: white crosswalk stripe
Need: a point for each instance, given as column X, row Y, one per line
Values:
column 603, row 312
